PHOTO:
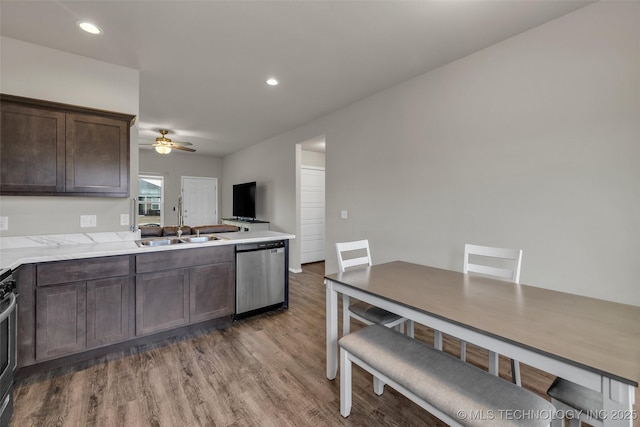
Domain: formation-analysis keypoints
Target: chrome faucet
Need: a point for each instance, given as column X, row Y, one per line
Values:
column 180, row 217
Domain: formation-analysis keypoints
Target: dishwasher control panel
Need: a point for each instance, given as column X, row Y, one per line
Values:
column 245, row 247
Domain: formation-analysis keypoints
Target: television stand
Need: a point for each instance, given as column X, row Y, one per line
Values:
column 247, row 224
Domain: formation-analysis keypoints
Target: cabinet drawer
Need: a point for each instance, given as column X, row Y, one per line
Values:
column 76, row 271
column 167, row 260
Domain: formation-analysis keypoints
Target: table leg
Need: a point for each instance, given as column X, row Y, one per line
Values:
column 618, row 399
column 332, row 332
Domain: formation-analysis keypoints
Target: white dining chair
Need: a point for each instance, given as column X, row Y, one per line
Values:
column 366, row 313
column 581, row 403
column 507, row 268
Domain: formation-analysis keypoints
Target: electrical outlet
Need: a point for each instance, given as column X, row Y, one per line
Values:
column 344, row 214
column 88, row 221
column 4, row 223
column 124, row 219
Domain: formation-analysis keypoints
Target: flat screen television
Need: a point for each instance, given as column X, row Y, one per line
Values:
column 244, row 200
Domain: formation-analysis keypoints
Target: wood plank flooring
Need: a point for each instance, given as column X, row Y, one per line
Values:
column 267, row 370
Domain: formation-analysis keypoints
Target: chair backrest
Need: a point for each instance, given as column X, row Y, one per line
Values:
column 513, row 255
column 359, row 245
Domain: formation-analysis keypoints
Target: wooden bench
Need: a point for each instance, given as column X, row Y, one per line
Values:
column 456, row 392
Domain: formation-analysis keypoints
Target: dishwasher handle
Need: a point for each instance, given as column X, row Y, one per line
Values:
column 249, row 247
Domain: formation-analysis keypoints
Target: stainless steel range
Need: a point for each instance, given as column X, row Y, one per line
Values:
column 8, row 349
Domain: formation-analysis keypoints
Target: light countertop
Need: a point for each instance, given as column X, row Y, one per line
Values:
column 15, row 251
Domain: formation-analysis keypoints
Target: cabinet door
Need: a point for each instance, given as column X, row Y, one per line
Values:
column 60, row 320
column 107, row 311
column 212, row 291
column 162, row 301
column 97, row 155
column 32, row 150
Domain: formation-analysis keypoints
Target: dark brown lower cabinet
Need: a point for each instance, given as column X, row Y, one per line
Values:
column 186, row 286
column 162, row 301
column 76, row 306
column 211, row 295
column 108, row 311
column 60, row 320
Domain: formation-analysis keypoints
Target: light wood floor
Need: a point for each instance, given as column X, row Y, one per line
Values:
column 267, row 370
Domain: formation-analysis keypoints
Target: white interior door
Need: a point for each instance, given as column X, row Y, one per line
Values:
column 199, row 200
column 312, row 214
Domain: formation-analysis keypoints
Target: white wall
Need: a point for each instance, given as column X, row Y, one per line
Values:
column 37, row 72
column 530, row 143
column 172, row 167
column 313, row 158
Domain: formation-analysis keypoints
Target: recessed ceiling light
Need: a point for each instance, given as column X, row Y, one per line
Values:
column 89, row 27
column 272, row 82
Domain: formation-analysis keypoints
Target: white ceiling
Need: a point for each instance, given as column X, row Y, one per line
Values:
column 203, row 64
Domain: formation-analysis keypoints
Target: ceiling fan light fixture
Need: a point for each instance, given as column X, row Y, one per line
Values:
column 89, row 27
column 163, row 149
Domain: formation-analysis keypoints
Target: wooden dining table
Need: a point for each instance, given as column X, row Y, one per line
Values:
column 588, row 341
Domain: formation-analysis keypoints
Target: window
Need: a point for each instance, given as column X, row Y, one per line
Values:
column 150, row 200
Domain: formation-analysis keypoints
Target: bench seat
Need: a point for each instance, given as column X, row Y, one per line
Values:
column 437, row 381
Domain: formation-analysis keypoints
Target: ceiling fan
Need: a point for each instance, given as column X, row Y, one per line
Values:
column 164, row 145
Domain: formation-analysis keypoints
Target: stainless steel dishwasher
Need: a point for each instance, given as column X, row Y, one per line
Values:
column 260, row 276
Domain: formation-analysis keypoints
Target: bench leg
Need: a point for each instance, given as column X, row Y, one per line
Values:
column 378, row 386
column 345, row 384
column 561, row 408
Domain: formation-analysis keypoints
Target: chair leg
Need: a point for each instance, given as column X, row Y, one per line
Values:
column 437, row 340
column 410, row 328
column 463, row 351
column 515, row 373
column 494, row 363
column 345, row 384
column 346, row 319
column 400, row 328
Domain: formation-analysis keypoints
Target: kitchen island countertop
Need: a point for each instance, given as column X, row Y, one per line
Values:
column 16, row 251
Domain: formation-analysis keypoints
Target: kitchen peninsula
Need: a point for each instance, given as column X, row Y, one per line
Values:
column 85, row 295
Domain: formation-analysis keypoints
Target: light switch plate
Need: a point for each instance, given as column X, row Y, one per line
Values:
column 4, row 223
column 124, row 219
column 88, row 221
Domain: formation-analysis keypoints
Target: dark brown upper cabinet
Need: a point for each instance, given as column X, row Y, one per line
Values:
column 53, row 149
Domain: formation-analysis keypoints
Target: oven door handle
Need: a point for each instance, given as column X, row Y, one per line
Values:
column 9, row 309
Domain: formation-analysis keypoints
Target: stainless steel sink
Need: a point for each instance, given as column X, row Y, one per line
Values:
column 199, row 239
column 158, row 242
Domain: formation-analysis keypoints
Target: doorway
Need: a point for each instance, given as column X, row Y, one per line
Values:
column 199, row 200
column 310, row 202
column 311, row 214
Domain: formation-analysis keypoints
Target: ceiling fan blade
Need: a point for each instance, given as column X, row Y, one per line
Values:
column 177, row 147
column 181, row 143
